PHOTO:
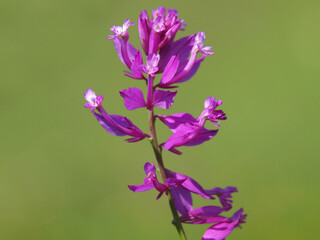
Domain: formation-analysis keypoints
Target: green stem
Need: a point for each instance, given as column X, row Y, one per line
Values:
column 158, row 154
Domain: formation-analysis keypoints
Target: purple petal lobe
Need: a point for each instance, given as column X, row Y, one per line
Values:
column 183, row 135
column 164, row 99
column 202, row 215
column 107, row 126
column 149, row 168
column 133, row 98
column 126, row 123
column 170, row 70
column 125, row 50
column 175, row 120
column 221, row 230
column 192, row 71
column 203, row 136
column 224, row 195
column 190, row 184
column 141, row 188
column 181, row 47
column 135, row 67
column 182, row 199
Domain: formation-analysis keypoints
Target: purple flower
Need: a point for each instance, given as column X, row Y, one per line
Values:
column 152, row 64
column 181, row 187
column 222, row 229
column 121, row 31
column 207, row 214
column 179, row 69
column 188, row 131
column 114, row 124
column 176, row 59
column 200, row 37
column 160, row 31
column 182, row 194
column 151, row 182
column 136, row 64
column 93, row 101
column 126, row 52
column 202, row 215
column 133, row 98
column 224, row 195
column 211, row 214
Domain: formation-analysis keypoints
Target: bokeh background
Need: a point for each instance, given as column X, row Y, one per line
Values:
column 62, row 177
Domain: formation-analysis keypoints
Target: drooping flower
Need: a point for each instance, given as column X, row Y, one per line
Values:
column 188, row 131
column 114, row 124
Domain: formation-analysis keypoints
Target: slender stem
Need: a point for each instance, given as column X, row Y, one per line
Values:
column 158, row 154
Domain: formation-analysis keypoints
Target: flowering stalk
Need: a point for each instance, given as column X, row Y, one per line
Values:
column 177, row 61
column 158, row 154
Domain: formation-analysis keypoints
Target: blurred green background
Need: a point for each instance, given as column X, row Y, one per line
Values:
column 63, row 177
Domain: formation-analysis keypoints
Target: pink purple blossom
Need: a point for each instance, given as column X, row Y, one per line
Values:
column 182, row 187
column 114, row 124
column 189, row 131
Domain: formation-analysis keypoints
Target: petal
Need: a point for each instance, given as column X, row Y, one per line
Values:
column 173, row 182
column 143, row 26
column 135, row 67
column 178, row 139
column 202, row 215
column 175, row 120
column 141, row 188
column 107, row 126
column 131, row 51
column 221, row 230
column 183, row 135
column 119, row 125
column 149, row 168
column 135, row 139
column 126, row 123
column 190, row 184
column 117, row 46
column 133, row 98
column 170, row 70
column 182, row 200
column 192, row 71
column 164, row 99
column 181, row 47
column 89, row 95
column 224, row 195
column 203, row 136
column 89, row 105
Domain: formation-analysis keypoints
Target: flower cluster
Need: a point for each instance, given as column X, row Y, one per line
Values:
column 181, row 187
column 173, row 62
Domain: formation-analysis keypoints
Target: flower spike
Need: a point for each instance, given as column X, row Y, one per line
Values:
column 175, row 61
